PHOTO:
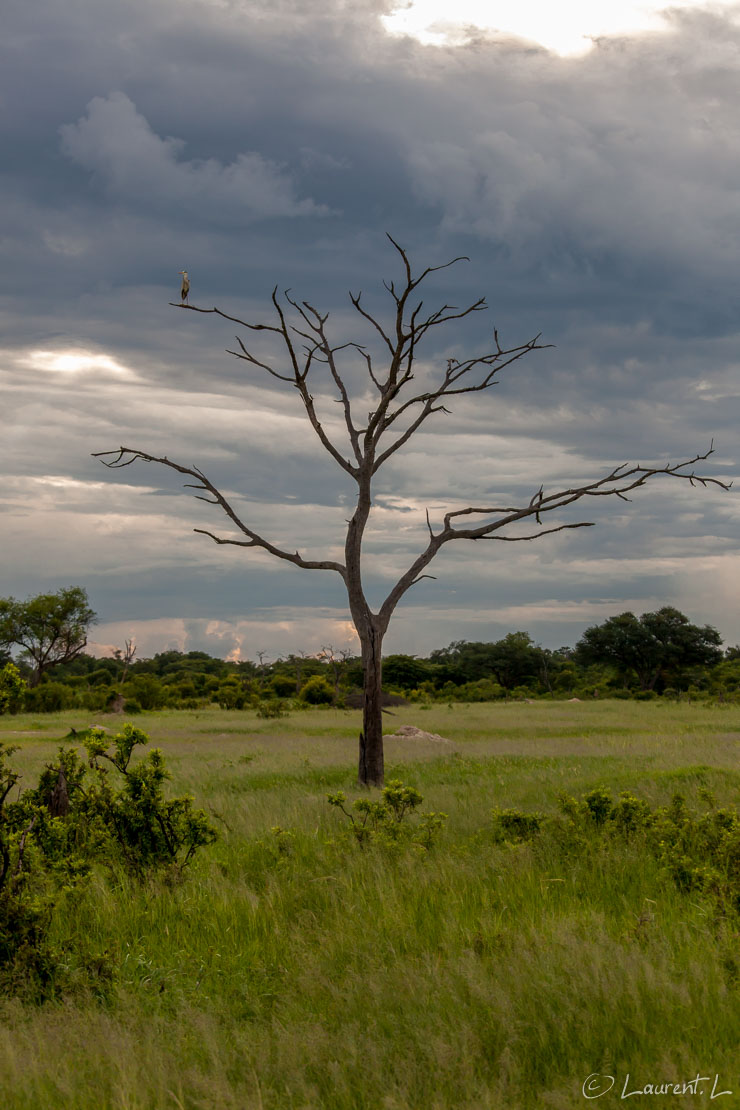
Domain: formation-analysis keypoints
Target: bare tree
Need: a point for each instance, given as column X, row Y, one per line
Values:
column 400, row 410
column 336, row 659
column 126, row 657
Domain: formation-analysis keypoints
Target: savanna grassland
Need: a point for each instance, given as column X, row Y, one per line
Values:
column 294, row 968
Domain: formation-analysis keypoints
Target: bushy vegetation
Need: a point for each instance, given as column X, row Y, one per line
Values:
column 659, row 654
column 699, row 851
column 388, row 819
column 54, row 837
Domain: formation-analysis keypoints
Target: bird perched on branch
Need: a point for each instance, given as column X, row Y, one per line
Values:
column 185, row 287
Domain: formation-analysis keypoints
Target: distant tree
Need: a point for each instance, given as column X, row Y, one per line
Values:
column 302, row 666
column 515, row 660
column 49, row 629
column 125, row 656
column 653, row 647
column 405, row 671
column 337, row 661
column 512, row 661
column 400, row 407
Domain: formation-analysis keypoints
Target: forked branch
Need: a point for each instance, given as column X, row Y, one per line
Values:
column 618, row 483
column 125, row 456
column 401, row 336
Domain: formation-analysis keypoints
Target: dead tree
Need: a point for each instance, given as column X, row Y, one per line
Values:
column 126, row 657
column 336, row 659
column 369, row 441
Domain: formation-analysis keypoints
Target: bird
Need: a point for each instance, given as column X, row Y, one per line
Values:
column 185, row 288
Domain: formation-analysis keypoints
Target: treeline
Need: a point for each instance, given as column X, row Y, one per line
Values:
column 659, row 654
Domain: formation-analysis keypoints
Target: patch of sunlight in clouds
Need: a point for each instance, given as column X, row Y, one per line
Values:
column 565, row 29
column 75, row 360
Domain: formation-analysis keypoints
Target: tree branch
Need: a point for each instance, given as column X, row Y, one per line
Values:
column 620, row 480
column 125, row 456
column 617, row 483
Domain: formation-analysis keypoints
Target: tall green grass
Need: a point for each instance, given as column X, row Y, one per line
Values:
column 304, row 972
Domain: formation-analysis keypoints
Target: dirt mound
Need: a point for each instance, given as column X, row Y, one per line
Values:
column 411, row 732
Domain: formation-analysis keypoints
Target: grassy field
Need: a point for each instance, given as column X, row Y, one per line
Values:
column 299, row 971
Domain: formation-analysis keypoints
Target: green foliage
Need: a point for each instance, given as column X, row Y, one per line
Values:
column 386, row 821
column 29, row 840
column 654, row 648
column 283, row 685
column 317, row 691
column 512, row 826
column 684, row 659
column 271, row 709
column 232, row 694
column 12, row 689
column 53, row 835
column 48, row 697
column 144, row 828
column 699, row 852
column 49, row 628
column 511, row 661
column 405, row 672
column 147, row 690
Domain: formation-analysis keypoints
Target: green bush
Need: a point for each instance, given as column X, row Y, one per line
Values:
column 271, row 709
column 232, row 695
column 513, row 826
column 317, row 691
column 48, row 697
column 147, row 690
column 283, row 685
column 12, row 689
column 698, row 852
column 144, row 829
column 385, row 822
column 76, row 818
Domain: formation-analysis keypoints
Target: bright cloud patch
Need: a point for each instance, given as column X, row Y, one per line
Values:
column 562, row 28
column 75, row 361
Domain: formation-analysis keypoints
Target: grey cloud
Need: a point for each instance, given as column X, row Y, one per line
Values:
column 116, row 143
column 595, row 196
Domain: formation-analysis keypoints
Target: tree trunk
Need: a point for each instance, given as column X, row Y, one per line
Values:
column 371, row 770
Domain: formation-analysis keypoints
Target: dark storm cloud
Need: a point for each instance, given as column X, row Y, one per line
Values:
column 253, row 146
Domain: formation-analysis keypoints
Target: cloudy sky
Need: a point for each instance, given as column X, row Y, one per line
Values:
column 591, row 171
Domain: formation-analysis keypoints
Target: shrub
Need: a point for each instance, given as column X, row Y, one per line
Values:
column 147, row 690
column 147, row 829
column 48, row 697
column 231, row 695
column 53, row 835
column 513, row 825
column 283, row 685
column 12, row 689
column 386, row 821
column 317, row 691
column 699, row 853
column 272, row 709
